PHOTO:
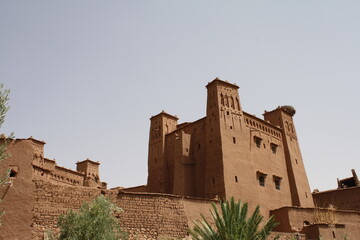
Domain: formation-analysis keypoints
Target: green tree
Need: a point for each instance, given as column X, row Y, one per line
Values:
column 233, row 224
column 94, row 221
column 4, row 97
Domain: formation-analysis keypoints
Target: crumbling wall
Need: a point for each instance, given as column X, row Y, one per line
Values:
column 315, row 221
column 52, row 200
column 152, row 216
column 145, row 216
column 344, row 199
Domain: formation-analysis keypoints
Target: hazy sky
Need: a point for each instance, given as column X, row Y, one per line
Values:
column 86, row 76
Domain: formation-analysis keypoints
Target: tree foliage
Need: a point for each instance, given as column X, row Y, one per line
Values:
column 94, row 221
column 233, row 224
column 4, row 97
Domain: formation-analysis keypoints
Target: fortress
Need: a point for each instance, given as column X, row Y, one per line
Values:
column 227, row 153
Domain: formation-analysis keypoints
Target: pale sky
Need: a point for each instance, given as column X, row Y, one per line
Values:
column 86, row 76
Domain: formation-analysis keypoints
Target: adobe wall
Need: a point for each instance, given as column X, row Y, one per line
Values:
column 345, row 198
column 17, row 195
column 148, row 216
column 312, row 221
column 145, row 216
column 185, row 150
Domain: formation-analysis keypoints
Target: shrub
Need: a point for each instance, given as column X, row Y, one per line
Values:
column 94, row 221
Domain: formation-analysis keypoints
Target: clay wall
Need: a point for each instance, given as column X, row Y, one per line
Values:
column 214, row 181
column 17, row 195
column 266, row 152
column 185, row 155
column 58, row 174
column 49, row 164
column 67, row 176
column 145, row 215
column 344, row 198
column 313, row 220
column 149, row 216
column 262, row 126
column 242, row 159
column 219, row 156
column 299, row 185
column 52, row 200
column 161, row 125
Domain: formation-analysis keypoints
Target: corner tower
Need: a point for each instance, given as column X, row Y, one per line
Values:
column 91, row 171
column 299, row 185
column 160, row 125
column 223, row 122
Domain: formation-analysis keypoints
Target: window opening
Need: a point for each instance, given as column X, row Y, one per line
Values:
column 257, row 141
column 277, row 181
column 262, row 180
column 13, row 173
column 273, row 147
column 261, row 177
column 236, row 179
column 234, row 140
column 213, row 180
column 199, row 146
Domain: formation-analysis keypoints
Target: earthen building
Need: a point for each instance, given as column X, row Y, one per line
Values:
column 227, row 153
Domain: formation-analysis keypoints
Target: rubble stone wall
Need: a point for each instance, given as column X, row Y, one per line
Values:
column 145, row 216
column 52, row 200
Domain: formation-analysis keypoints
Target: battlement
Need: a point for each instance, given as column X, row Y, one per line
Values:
column 262, row 126
column 47, row 169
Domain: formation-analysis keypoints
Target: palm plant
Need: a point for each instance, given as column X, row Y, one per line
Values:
column 233, row 224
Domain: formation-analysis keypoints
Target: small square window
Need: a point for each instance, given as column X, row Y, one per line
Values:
column 277, row 181
column 262, row 180
column 273, row 147
column 257, row 141
column 13, row 173
column 261, row 177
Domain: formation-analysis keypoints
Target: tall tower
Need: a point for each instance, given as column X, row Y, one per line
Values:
column 160, row 125
column 223, row 122
column 91, row 171
column 299, row 185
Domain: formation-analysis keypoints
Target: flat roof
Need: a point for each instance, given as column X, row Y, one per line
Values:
column 165, row 113
column 88, row 160
column 218, row 80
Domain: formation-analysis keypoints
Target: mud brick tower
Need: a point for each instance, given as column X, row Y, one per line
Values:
column 229, row 153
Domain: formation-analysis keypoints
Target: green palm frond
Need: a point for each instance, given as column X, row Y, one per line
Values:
column 232, row 223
